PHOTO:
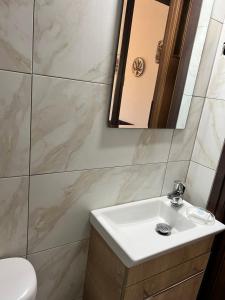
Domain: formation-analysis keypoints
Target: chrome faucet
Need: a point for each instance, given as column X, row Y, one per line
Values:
column 177, row 194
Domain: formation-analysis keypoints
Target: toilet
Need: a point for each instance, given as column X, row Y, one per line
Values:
column 17, row 279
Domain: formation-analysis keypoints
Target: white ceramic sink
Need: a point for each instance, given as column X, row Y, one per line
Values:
column 129, row 229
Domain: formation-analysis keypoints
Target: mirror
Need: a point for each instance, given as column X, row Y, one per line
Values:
column 154, row 50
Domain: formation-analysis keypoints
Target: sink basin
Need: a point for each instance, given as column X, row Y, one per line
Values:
column 129, row 229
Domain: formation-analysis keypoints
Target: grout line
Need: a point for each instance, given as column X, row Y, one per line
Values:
column 100, row 83
column 216, row 99
column 95, row 169
column 194, row 96
column 13, row 176
column 171, row 144
column 186, row 175
column 164, row 179
column 216, row 20
column 198, row 163
column 197, row 96
column 168, row 161
column 59, row 246
column 72, row 79
column 13, row 71
column 53, row 76
column 31, row 101
column 102, row 168
column 32, row 64
column 189, row 165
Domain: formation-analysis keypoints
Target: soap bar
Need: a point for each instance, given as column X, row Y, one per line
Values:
column 200, row 215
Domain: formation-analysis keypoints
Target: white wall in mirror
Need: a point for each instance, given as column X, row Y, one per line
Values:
column 137, row 93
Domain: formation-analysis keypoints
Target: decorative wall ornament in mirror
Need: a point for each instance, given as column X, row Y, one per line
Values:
column 138, row 67
column 153, row 55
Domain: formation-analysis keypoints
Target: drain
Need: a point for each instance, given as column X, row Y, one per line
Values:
column 163, row 228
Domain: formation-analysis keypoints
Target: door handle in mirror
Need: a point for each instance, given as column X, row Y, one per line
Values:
column 159, row 52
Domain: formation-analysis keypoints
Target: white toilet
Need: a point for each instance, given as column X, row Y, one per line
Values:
column 17, row 279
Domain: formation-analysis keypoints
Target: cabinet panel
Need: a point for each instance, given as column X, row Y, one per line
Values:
column 186, row 290
column 166, row 279
column 168, row 260
column 105, row 272
column 107, row 277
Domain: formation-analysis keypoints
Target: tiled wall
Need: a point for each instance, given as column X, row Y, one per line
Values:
column 58, row 158
column 211, row 132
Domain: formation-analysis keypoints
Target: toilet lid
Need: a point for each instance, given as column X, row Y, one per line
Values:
column 17, row 279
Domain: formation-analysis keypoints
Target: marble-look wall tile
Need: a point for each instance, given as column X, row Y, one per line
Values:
column 61, row 271
column 183, row 140
column 60, row 203
column 198, row 184
column 208, row 57
column 16, row 34
column 69, row 130
column 218, row 12
column 211, row 134
column 217, row 85
column 174, row 171
column 14, row 123
column 13, row 216
column 152, row 145
column 80, row 36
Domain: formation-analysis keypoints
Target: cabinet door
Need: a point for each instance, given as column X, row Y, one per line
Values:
column 185, row 290
column 165, row 280
column 167, row 261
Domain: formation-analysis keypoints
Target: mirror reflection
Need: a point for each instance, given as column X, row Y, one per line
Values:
column 154, row 50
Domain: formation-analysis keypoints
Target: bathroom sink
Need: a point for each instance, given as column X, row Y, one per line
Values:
column 129, row 229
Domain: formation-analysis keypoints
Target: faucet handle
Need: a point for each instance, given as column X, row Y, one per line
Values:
column 179, row 187
column 176, row 197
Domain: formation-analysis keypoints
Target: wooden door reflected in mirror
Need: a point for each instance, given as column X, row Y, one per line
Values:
column 153, row 55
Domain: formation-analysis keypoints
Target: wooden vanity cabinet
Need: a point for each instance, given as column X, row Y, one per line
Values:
column 185, row 290
column 171, row 276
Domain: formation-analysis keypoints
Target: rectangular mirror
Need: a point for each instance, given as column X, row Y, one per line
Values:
column 152, row 63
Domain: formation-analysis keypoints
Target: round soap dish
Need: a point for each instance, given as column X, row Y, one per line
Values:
column 200, row 215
